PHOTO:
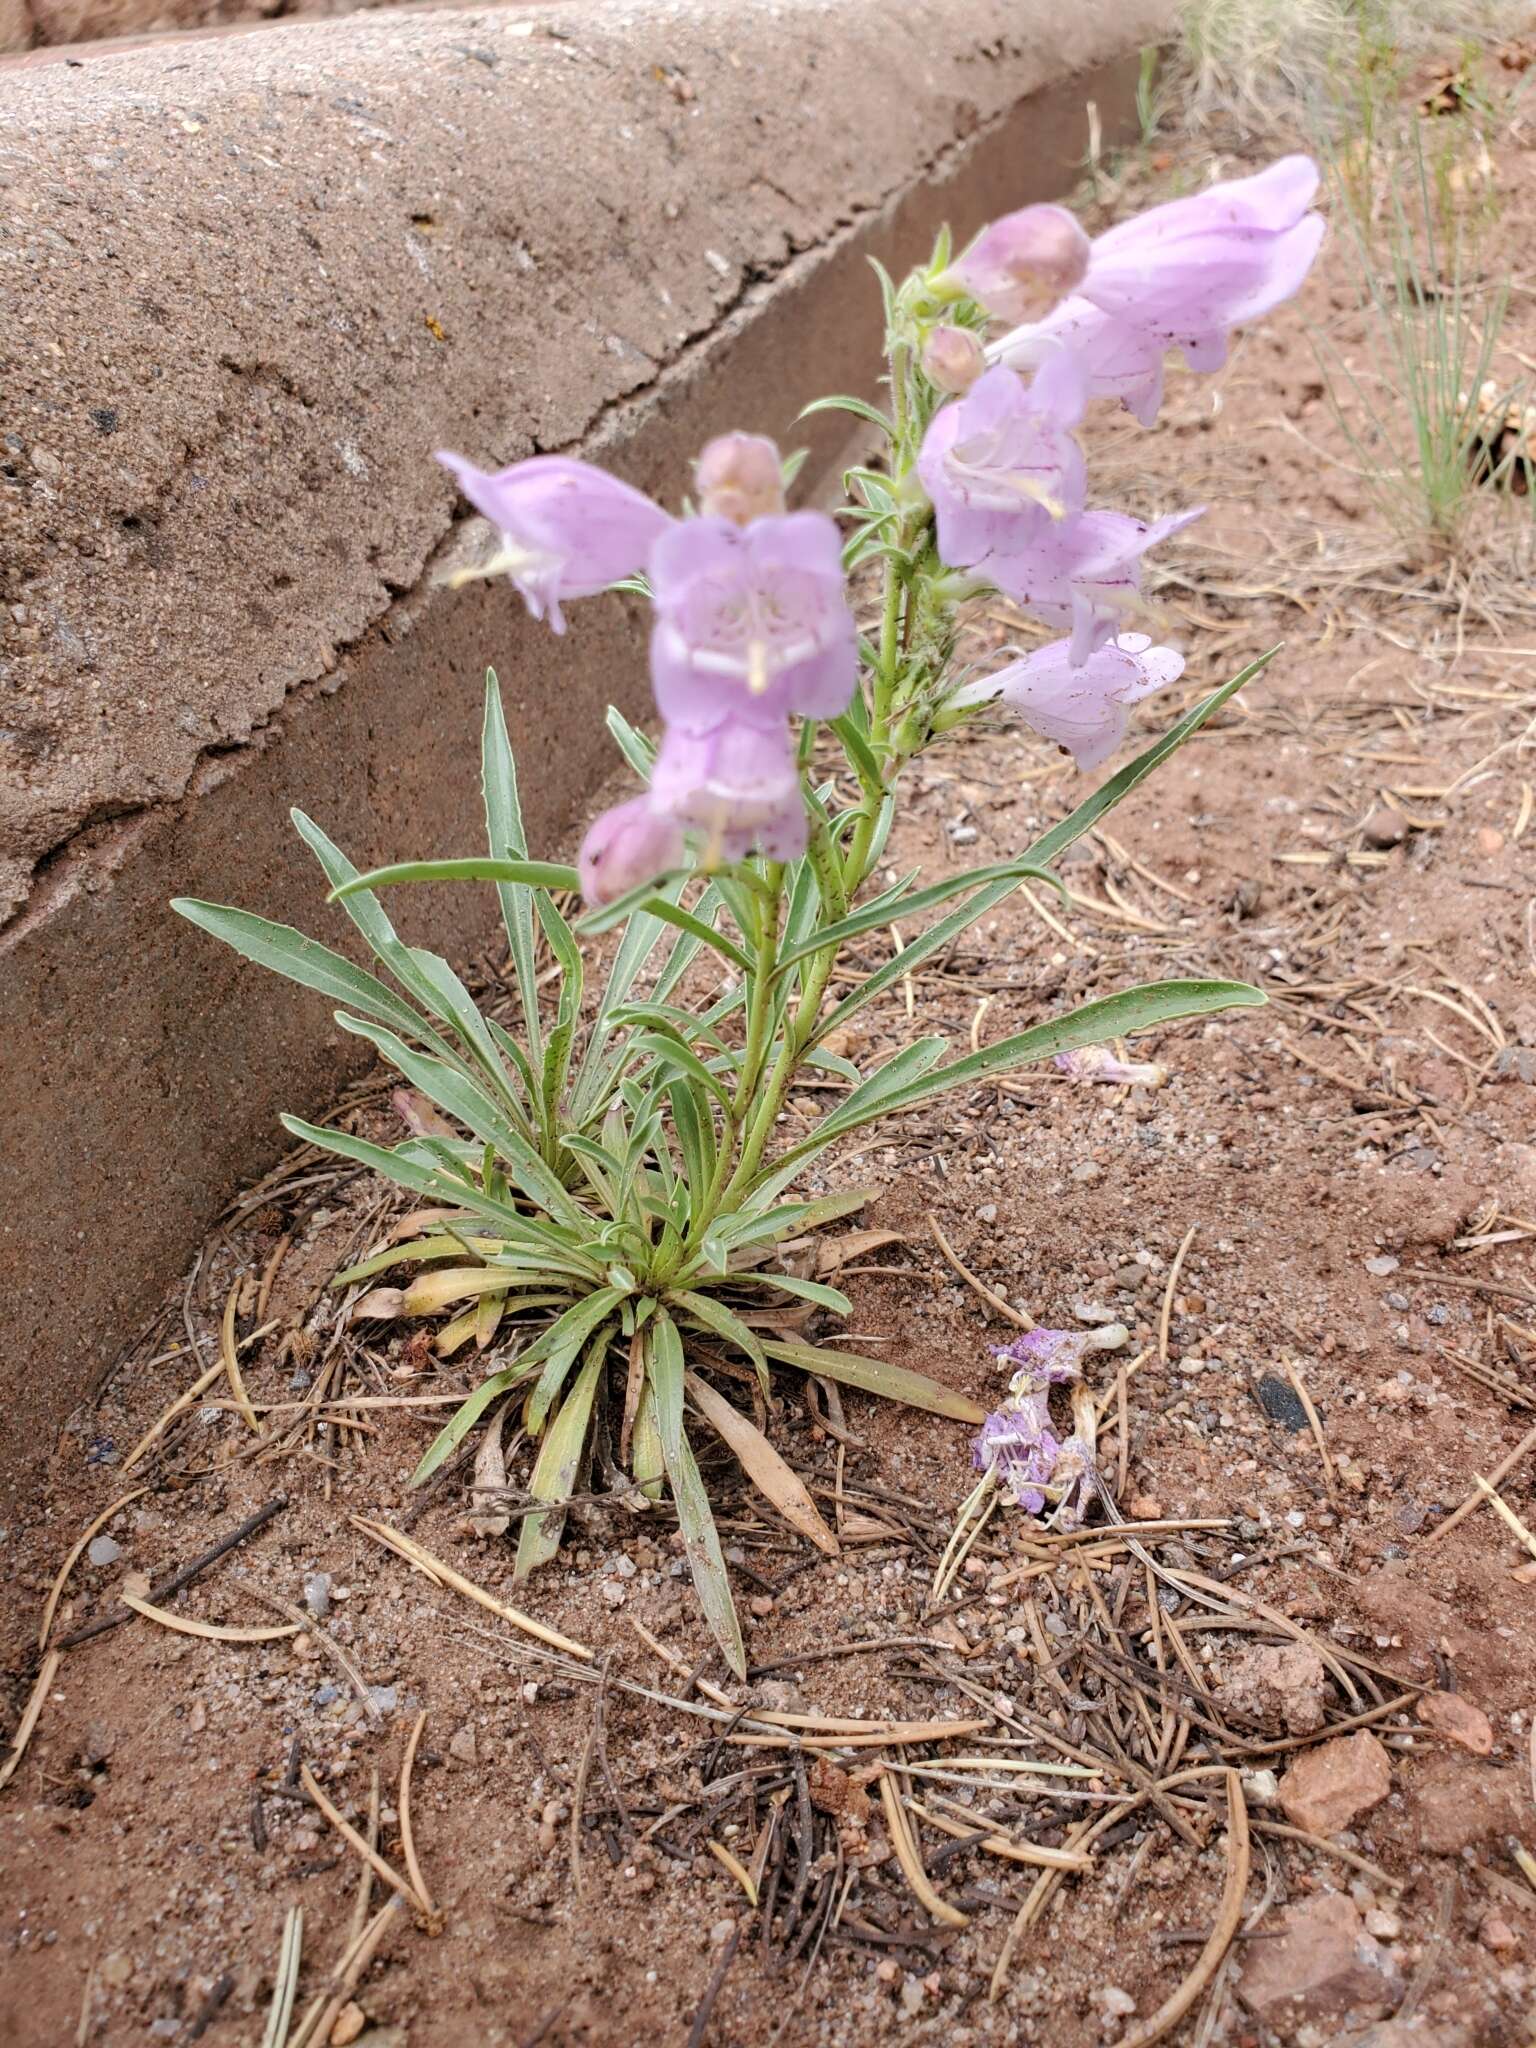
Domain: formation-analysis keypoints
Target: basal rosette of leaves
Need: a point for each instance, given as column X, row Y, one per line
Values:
column 603, row 1193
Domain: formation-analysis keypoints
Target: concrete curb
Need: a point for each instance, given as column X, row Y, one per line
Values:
column 251, row 282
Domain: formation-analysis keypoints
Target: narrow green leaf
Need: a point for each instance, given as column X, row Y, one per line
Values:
column 791, row 1283
column 508, row 841
column 533, row 874
column 875, row 1376
column 859, row 407
column 701, row 1539
column 716, row 1317
column 559, row 1460
column 449, row 1438
column 305, row 961
column 1132, row 1009
column 896, row 903
column 558, row 1346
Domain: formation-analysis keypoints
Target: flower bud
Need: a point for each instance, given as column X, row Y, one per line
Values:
column 953, row 359
column 631, row 844
column 739, row 478
column 1022, row 265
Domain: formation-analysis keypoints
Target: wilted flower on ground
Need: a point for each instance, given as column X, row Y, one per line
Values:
column 738, row 783
column 567, row 528
column 625, row 846
column 1084, row 709
column 953, row 358
column 1084, row 573
column 1098, row 1063
column 1001, row 465
column 751, row 622
column 740, row 478
column 1019, row 266
column 1018, row 1447
column 1182, row 275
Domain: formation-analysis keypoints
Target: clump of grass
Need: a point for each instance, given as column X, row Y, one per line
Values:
column 1262, row 64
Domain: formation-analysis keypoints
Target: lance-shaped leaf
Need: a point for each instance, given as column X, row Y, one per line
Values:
column 896, row 902
column 465, row 1417
column 774, row 1480
column 531, row 874
column 508, row 841
column 701, row 1539
column 558, row 1462
column 875, row 1376
column 1133, row 1009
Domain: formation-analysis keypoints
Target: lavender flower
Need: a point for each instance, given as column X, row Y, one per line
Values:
column 1084, row 573
column 1119, row 361
column 1182, row 275
column 1084, row 709
column 1022, row 264
column 1050, row 1358
column 738, row 783
column 625, row 846
column 1000, row 464
column 1098, row 1063
column 752, row 623
column 567, row 529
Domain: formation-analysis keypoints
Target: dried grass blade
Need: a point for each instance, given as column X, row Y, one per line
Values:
column 344, row 1828
column 29, row 1717
column 207, row 1631
column 407, row 1836
column 285, row 1982
column 739, row 1871
column 1228, row 1915
column 231, row 1360
column 56, row 1590
column 905, row 1845
column 774, row 1480
column 445, row 1575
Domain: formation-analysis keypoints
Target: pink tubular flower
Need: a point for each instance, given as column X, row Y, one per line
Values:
column 1084, row 709
column 1182, row 275
column 1084, row 573
column 1194, row 268
column 567, row 529
column 1000, row 464
column 740, row 478
column 1118, row 361
column 630, row 844
column 953, row 358
column 1022, row 264
column 752, row 623
column 1098, row 1063
column 1018, row 1444
column 738, row 783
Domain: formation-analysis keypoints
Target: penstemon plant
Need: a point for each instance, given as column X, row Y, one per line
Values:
column 607, row 1192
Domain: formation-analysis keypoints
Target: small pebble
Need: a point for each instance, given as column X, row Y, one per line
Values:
column 104, row 1551
column 317, row 1594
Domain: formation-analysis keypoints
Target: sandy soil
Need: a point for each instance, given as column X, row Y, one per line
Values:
column 1348, row 1182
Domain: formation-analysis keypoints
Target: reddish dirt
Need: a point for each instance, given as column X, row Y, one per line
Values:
column 1351, row 1176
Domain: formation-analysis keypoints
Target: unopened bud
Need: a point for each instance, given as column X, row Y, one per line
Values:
column 739, row 478
column 624, row 847
column 953, row 358
column 1022, row 265
column 1098, row 1063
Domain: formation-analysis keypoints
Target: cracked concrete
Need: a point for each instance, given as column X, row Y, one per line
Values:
column 248, row 285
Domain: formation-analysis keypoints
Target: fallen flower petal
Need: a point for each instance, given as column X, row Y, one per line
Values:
column 1098, row 1063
